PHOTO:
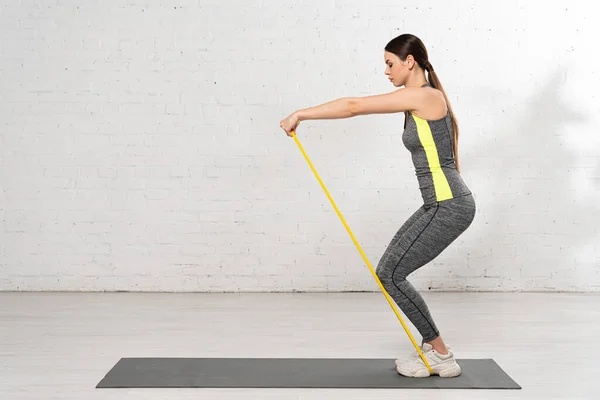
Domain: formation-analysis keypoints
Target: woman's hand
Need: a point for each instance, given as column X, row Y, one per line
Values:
column 290, row 123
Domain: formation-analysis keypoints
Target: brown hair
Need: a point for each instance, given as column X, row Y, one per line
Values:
column 407, row 44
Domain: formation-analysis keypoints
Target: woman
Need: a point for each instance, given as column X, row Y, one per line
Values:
column 431, row 136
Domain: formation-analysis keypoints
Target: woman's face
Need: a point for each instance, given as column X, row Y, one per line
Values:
column 397, row 70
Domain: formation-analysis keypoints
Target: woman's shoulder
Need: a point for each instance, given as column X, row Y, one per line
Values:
column 433, row 106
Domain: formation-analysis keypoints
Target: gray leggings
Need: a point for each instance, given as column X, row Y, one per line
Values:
column 422, row 238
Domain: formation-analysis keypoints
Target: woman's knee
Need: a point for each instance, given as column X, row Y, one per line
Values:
column 390, row 275
column 381, row 273
column 384, row 273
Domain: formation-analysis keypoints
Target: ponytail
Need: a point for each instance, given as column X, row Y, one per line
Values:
column 434, row 81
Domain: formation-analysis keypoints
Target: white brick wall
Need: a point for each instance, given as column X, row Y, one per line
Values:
column 141, row 147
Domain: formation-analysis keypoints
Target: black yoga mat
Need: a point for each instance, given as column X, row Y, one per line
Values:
column 294, row 373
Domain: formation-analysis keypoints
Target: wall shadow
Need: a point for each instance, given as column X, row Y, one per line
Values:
column 530, row 220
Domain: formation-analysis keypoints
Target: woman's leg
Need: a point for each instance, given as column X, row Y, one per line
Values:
column 394, row 266
column 424, row 239
column 429, row 232
column 392, row 247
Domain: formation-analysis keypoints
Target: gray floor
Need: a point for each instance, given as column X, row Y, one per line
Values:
column 60, row 345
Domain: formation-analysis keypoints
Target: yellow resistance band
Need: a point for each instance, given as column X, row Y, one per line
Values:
column 364, row 257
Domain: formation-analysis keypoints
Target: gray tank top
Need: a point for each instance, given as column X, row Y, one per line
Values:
column 430, row 144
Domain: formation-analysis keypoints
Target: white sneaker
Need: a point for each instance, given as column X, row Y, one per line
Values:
column 415, row 354
column 443, row 365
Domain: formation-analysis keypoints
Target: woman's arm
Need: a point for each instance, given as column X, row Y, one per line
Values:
column 346, row 107
column 398, row 101
column 336, row 109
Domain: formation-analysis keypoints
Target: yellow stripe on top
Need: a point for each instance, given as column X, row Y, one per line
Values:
column 440, row 183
